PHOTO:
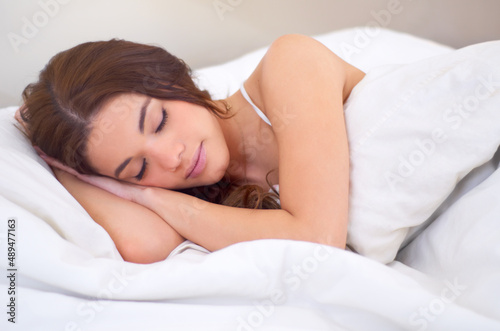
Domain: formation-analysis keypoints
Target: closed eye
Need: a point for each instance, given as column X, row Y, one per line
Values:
column 164, row 117
column 140, row 175
column 163, row 120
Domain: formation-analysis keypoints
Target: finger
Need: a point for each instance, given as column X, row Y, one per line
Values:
column 57, row 164
column 51, row 161
column 39, row 151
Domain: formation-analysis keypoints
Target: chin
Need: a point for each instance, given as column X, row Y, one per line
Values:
column 217, row 176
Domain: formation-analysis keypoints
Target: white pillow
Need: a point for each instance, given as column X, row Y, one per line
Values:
column 414, row 131
column 31, row 190
column 463, row 246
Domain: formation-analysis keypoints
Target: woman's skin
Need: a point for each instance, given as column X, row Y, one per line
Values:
column 300, row 85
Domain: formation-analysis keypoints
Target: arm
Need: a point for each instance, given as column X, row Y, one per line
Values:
column 302, row 78
column 139, row 234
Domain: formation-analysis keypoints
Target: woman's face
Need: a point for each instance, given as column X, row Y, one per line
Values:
column 152, row 142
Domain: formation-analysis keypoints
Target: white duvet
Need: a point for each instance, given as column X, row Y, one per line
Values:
column 420, row 122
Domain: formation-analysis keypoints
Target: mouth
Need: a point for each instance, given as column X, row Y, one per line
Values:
column 197, row 163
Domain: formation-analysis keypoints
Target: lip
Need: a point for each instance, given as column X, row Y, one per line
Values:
column 197, row 163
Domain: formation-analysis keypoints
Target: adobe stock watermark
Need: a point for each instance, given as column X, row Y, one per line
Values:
column 224, row 6
column 88, row 311
column 31, row 26
column 293, row 278
column 363, row 36
column 428, row 314
column 453, row 117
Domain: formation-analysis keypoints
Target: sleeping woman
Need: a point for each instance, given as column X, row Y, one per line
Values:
column 154, row 160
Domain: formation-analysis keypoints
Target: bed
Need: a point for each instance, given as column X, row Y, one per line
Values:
column 424, row 132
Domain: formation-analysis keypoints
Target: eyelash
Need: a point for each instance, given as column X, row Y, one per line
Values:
column 140, row 175
column 163, row 120
column 143, row 170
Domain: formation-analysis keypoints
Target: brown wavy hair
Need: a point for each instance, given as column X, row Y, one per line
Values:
column 59, row 108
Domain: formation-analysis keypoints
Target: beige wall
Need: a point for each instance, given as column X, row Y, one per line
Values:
column 206, row 32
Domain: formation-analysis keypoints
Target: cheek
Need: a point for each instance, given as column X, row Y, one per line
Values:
column 220, row 160
column 159, row 178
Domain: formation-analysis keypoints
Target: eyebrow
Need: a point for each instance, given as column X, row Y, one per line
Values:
column 143, row 114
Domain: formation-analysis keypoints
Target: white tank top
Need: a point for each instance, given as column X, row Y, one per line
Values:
column 257, row 110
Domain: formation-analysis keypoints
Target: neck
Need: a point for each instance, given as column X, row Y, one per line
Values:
column 234, row 134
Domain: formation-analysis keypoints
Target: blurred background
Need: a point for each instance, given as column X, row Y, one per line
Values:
column 209, row 32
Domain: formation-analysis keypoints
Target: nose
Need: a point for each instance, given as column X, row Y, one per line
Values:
column 168, row 155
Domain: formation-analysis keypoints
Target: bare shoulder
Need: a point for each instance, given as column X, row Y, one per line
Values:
column 293, row 60
column 302, row 80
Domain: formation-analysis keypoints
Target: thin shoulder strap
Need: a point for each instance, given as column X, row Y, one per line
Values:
column 257, row 110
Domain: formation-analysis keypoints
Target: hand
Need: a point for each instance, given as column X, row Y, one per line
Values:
column 126, row 191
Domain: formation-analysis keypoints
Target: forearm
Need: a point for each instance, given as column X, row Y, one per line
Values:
column 139, row 234
column 216, row 226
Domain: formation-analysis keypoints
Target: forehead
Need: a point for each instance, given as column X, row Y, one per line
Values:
column 114, row 127
column 120, row 107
